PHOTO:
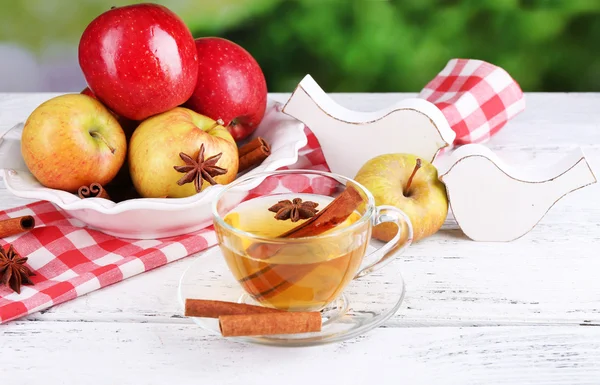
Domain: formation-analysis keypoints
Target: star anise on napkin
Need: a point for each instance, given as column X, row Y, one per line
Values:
column 13, row 271
column 294, row 210
column 199, row 170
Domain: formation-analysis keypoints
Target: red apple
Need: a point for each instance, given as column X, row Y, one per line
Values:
column 139, row 60
column 230, row 87
column 88, row 92
column 71, row 141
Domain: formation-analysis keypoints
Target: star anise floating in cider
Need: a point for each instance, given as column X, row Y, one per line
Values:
column 13, row 271
column 294, row 210
column 199, row 170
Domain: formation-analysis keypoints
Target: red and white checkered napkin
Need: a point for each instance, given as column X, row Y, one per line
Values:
column 70, row 260
column 477, row 98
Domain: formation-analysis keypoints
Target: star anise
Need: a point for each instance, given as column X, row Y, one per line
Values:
column 200, row 170
column 13, row 271
column 294, row 210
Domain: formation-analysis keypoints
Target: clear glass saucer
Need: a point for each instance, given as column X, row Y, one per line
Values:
column 366, row 303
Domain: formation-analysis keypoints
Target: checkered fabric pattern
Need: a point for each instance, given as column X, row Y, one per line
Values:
column 70, row 260
column 477, row 98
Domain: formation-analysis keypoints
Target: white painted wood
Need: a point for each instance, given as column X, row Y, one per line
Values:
column 350, row 138
column 527, row 297
column 495, row 201
column 125, row 353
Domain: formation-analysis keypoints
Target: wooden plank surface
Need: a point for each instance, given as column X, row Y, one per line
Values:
column 526, row 298
column 156, row 353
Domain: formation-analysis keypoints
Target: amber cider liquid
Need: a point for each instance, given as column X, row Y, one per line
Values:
column 296, row 275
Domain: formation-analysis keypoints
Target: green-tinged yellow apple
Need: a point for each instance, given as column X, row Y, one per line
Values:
column 410, row 184
column 72, row 140
column 159, row 145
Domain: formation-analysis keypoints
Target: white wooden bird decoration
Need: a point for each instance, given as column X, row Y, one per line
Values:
column 350, row 138
column 493, row 201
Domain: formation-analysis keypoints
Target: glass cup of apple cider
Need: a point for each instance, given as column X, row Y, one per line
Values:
column 294, row 239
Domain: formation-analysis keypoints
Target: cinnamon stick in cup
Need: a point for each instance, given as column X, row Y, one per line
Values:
column 16, row 226
column 95, row 190
column 268, row 324
column 273, row 279
column 332, row 215
column 253, row 153
column 215, row 309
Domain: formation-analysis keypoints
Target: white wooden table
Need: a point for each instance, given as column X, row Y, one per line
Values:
column 475, row 313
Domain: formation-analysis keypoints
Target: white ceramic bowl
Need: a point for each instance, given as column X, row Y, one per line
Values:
column 149, row 218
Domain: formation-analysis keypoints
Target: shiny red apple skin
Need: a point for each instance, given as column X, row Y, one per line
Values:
column 231, row 86
column 88, row 92
column 139, row 60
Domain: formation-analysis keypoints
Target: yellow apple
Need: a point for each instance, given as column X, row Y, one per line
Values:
column 410, row 184
column 73, row 140
column 157, row 146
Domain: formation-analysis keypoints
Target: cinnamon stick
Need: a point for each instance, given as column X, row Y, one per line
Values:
column 273, row 279
column 332, row 215
column 16, row 226
column 268, row 324
column 95, row 190
column 214, row 309
column 253, row 153
column 252, row 145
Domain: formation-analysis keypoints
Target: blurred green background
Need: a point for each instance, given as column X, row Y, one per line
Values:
column 348, row 46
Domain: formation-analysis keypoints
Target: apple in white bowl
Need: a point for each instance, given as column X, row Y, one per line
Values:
column 231, row 86
column 166, row 150
column 71, row 141
column 139, row 60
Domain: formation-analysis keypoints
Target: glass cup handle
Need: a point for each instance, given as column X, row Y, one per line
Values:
column 381, row 256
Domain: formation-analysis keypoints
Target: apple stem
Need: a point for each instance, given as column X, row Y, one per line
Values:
column 410, row 179
column 218, row 122
column 97, row 135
